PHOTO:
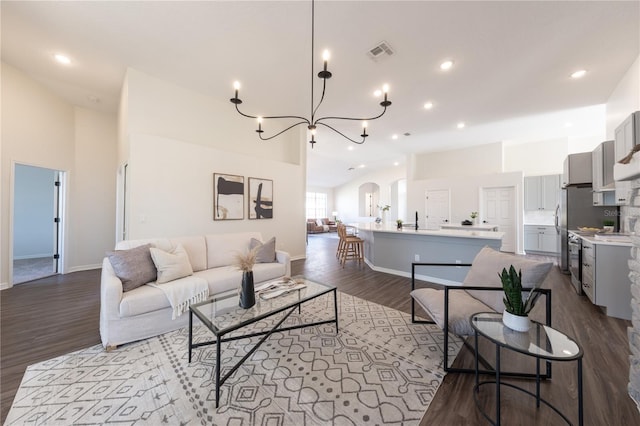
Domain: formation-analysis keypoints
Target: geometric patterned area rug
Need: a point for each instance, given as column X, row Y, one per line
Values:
column 379, row 369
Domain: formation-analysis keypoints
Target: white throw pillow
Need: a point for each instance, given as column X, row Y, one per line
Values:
column 171, row 266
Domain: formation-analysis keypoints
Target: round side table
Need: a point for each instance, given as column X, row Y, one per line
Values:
column 541, row 342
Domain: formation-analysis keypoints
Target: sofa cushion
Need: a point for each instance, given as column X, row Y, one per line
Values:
column 486, row 266
column 171, row 265
column 222, row 247
column 227, row 278
column 461, row 306
column 142, row 300
column 134, row 267
column 266, row 252
column 196, row 248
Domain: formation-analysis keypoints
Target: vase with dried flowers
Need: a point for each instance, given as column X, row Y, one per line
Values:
column 244, row 262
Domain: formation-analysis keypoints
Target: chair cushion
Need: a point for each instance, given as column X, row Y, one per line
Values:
column 461, row 307
column 486, row 266
column 171, row 265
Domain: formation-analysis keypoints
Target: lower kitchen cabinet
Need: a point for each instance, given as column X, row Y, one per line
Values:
column 540, row 238
column 605, row 277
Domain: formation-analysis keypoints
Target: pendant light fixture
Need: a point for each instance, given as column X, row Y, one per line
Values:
column 312, row 122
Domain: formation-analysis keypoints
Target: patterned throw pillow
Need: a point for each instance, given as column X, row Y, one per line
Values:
column 134, row 267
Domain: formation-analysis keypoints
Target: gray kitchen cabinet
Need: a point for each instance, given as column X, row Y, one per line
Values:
column 625, row 137
column 605, row 277
column 622, row 193
column 603, row 183
column 540, row 238
column 541, row 192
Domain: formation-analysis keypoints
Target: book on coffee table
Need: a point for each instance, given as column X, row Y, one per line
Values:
column 277, row 288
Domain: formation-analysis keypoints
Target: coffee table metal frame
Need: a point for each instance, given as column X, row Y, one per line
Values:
column 537, row 332
column 289, row 307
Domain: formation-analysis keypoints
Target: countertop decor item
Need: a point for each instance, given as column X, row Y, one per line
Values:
column 516, row 309
column 399, row 223
column 312, row 122
column 244, row 262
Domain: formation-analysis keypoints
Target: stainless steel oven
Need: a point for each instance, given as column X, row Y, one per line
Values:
column 575, row 262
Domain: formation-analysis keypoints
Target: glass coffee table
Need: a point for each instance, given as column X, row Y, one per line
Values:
column 541, row 342
column 222, row 315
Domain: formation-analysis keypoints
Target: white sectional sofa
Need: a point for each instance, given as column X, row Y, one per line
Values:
column 127, row 316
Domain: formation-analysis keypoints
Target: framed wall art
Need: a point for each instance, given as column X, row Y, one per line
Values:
column 260, row 198
column 228, row 197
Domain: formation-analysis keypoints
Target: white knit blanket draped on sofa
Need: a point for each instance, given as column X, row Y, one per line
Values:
column 183, row 292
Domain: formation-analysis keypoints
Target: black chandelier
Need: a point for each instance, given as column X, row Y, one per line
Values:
column 314, row 122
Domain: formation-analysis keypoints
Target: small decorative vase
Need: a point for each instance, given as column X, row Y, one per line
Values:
column 399, row 227
column 247, row 291
column 515, row 322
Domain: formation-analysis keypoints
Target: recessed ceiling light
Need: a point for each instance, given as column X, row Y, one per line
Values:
column 396, row 163
column 428, row 105
column 446, row 65
column 461, row 125
column 377, row 93
column 394, row 136
column 578, row 74
column 350, row 148
column 361, row 166
column 62, row 59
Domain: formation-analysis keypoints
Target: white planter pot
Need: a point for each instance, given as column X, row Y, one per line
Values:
column 515, row 322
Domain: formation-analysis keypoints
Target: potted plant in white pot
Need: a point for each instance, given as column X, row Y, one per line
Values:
column 516, row 308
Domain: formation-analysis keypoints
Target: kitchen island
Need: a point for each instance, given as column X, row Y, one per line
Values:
column 387, row 249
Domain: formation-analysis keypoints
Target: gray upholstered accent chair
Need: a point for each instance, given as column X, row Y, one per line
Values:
column 481, row 291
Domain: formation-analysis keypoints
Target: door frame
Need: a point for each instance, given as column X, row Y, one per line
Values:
column 61, row 204
column 426, row 198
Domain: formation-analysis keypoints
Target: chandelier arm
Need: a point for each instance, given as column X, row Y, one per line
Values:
column 274, row 116
column 342, row 134
column 351, row 118
column 324, row 86
column 279, row 133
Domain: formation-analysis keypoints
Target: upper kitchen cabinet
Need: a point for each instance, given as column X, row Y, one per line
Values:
column 627, row 135
column 541, row 192
column 577, row 169
column 602, row 173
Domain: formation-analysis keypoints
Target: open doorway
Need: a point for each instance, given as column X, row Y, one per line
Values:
column 37, row 212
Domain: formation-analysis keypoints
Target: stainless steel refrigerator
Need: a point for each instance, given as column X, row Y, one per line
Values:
column 575, row 210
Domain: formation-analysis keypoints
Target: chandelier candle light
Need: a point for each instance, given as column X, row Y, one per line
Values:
column 313, row 122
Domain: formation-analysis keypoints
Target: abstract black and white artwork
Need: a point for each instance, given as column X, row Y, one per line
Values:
column 228, row 197
column 260, row 198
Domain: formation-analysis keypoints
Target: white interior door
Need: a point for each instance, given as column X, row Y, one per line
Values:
column 436, row 208
column 499, row 209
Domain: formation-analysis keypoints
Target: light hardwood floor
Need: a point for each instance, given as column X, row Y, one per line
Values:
column 60, row 314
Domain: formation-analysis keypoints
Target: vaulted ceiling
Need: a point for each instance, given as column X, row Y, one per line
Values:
column 510, row 80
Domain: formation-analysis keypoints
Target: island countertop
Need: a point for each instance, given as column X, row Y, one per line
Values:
column 455, row 233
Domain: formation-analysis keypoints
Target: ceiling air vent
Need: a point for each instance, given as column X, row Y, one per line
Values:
column 380, row 51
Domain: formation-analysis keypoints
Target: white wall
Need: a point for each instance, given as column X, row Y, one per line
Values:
column 465, row 196
column 347, row 196
column 471, row 161
column 178, row 138
column 33, row 212
column 536, row 158
column 625, row 99
column 40, row 129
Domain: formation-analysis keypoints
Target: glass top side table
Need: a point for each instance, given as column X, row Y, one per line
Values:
column 541, row 342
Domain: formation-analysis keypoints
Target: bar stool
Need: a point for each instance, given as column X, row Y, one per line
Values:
column 349, row 246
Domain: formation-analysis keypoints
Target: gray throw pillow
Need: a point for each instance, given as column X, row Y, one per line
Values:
column 134, row 267
column 266, row 251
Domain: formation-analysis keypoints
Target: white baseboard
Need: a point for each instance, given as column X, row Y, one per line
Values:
column 84, row 268
column 34, row 256
column 420, row 277
column 4, row 286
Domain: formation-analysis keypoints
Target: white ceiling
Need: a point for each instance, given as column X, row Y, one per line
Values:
column 510, row 81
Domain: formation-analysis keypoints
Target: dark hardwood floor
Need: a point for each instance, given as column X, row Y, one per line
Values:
column 56, row 315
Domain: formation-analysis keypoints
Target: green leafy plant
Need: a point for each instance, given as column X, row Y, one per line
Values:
column 512, row 286
column 474, row 215
column 608, row 223
column 384, row 208
column 399, row 222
